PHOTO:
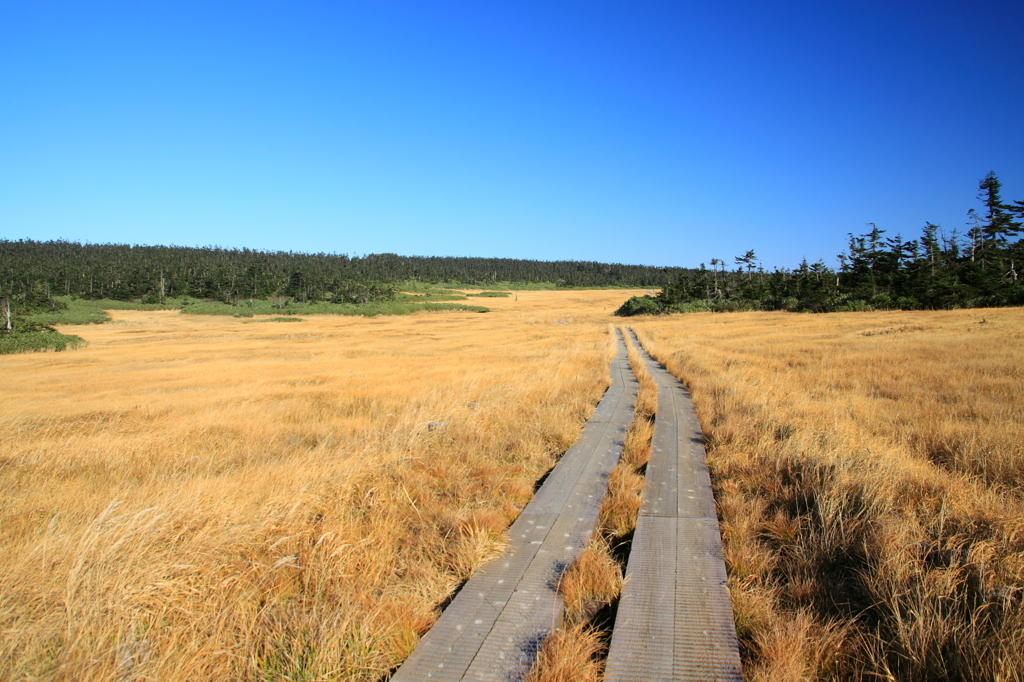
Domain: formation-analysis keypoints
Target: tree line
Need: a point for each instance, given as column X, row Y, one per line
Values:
column 33, row 274
column 977, row 268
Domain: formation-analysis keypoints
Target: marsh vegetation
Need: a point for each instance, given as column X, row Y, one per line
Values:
column 869, row 473
column 206, row 497
column 198, row 497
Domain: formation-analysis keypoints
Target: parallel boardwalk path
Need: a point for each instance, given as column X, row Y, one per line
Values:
column 675, row 619
column 493, row 627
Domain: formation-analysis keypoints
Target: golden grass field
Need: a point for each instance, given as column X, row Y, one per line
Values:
column 869, row 473
column 211, row 498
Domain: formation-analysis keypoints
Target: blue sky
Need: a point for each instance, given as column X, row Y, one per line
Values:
column 637, row 132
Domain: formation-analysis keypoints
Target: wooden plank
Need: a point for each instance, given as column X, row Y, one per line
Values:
column 494, row 626
column 448, row 649
column 675, row 619
column 705, row 633
column 644, row 635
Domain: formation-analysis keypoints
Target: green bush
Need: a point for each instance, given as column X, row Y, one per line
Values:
column 145, row 304
column 77, row 312
column 639, row 305
column 699, row 305
column 454, row 306
column 73, row 310
column 456, row 296
column 38, row 341
column 262, row 307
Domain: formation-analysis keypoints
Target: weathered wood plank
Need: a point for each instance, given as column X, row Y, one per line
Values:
column 675, row 619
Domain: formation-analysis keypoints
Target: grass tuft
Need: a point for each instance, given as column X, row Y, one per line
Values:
column 570, row 654
column 591, row 583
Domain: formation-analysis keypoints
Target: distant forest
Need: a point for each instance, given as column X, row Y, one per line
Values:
column 978, row 268
column 32, row 273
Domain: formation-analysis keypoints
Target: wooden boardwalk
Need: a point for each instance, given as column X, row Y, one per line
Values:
column 494, row 626
column 675, row 618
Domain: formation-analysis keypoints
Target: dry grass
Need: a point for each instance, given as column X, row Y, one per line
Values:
column 570, row 654
column 619, row 509
column 196, row 498
column 647, row 396
column 593, row 583
column 868, row 469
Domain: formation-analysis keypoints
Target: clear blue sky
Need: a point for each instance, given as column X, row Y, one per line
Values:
column 662, row 133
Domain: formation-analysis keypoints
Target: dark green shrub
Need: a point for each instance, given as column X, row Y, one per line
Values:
column 639, row 305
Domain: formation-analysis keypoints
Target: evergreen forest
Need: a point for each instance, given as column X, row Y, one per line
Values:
column 38, row 280
column 977, row 268
column 974, row 268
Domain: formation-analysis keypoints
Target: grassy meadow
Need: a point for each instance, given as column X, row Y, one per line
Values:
column 81, row 311
column 868, row 472
column 195, row 497
column 203, row 497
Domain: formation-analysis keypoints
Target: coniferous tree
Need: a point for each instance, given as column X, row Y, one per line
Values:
column 936, row 271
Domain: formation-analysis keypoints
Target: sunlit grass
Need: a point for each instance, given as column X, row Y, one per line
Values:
column 868, row 472
column 197, row 497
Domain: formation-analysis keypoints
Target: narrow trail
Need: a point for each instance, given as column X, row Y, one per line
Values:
column 495, row 625
column 675, row 618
